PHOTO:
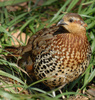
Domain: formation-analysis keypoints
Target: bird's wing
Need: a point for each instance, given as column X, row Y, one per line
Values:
column 40, row 40
column 36, row 44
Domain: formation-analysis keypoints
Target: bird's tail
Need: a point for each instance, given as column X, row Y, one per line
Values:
column 13, row 51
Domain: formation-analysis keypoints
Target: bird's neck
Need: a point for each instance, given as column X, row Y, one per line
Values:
column 79, row 32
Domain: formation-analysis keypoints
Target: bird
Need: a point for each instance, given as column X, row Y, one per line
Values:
column 59, row 54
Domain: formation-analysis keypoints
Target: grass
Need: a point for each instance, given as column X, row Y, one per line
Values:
column 29, row 22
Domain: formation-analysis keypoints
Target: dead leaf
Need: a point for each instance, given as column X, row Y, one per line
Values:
column 19, row 37
column 91, row 92
column 39, row 3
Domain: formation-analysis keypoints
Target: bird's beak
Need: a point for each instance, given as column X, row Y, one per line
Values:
column 61, row 22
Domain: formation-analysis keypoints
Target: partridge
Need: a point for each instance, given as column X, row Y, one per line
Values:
column 60, row 53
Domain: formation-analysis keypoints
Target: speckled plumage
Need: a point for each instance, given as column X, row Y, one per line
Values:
column 60, row 53
column 64, row 58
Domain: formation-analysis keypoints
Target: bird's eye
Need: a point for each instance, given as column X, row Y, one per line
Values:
column 70, row 20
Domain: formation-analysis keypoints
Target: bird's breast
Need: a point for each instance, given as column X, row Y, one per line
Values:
column 70, row 48
column 61, row 59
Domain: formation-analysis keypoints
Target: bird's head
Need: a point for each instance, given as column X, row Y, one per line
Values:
column 73, row 23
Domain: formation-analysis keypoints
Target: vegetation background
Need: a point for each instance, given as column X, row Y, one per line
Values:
column 19, row 19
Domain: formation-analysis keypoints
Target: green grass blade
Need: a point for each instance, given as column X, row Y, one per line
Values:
column 11, row 76
column 88, row 2
column 93, row 45
column 62, row 9
column 80, row 7
column 11, row 2
column 48, row 2
column 15, row 20
column 31, row 19
column 92, row 75
column 72, row 4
